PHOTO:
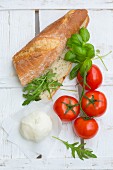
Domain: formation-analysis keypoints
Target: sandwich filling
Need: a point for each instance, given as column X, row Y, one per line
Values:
column 46, row 85
column 54, row 75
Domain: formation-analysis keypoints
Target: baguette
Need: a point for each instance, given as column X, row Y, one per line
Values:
column 41, row 52
column 47, row 50
column 61, row 68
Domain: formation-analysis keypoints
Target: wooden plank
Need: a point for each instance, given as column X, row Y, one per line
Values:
column 14, row 99
column 103, row 40
column 15, row 31
column 10, row 102
column 67, row 131
column 51, row 4
column 4, row 41
column 4, row 36
column 18, row 27
column 57, row 164
column 22, row 24
column 14, row 103
column 8, row 150
column 101, row 143
column 22, row 29
column 100, row 35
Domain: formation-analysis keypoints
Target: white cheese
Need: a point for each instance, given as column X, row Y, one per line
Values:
column 36, row 126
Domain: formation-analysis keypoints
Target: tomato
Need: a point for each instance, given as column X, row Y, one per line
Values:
column 67, row 108
column 94, row 103
column 93, row 79
column 84, row 128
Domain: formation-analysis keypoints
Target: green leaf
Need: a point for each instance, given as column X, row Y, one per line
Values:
column 89, row 154
column 26, row 102
column 76, row 39
column 80, row 155
column 84, row 34
column 66, row 144
column 90, row 50
column 84, row 156
column 73, row 153
column 91, row 53
column 76, row 143
column 69, row 56
column 81, row 145
column 50, row 75
column 81, row 152
column 37, row 98
column 85, row 67
column 69, row 42
column 80, row 52
column 44, row 83
column 74, row 71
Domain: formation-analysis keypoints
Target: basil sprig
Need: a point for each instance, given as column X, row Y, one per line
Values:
column 80, row 52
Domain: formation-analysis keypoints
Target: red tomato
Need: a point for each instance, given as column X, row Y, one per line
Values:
column 85, row 129
column 94, row 103
column 67, row 108
column 93, row 78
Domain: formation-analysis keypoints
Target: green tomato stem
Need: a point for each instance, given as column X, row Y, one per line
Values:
column 102, row 62
column 103, row 55
column 100, row 57
column 82, row 94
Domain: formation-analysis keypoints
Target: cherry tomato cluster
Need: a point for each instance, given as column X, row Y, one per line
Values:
column 93, row 104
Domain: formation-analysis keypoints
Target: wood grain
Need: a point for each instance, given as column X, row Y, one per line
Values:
column 100, row 37
column 101, row 143
column 58, row 164
column 51, row 4
column 13, row 36
column 16, row 29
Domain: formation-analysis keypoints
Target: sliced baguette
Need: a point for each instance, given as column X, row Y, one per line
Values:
column 41, row 52
column 61, row 68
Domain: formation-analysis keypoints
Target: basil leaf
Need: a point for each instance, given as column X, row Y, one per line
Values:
column 69, row 42
column 88, row 46
column 85, row 66
column 84, row 34
column 74, row 71
column 69, row 56
column 91, row 53
column 76, row 39
column 80, row 52
column 90, row 50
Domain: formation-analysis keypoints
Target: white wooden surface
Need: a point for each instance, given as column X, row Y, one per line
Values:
column 17, row 27
column 56, row 4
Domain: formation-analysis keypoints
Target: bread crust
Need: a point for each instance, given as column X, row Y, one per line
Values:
column 44, row 49
column 70, row 66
